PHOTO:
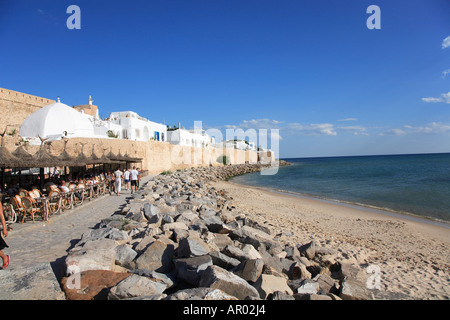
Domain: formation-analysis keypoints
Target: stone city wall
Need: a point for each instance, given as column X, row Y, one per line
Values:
column 157, row 156
column 16, row 106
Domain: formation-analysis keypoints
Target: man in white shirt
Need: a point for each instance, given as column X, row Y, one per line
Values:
column 63, row 187
column 118, row 182
column 134, row 179
column 126, row 178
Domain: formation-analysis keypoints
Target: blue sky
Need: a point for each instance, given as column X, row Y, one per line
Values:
column 311, row 69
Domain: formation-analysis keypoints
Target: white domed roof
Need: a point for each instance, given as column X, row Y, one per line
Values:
column 55, row 119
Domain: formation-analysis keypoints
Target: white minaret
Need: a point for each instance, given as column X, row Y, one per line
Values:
column 90, row 100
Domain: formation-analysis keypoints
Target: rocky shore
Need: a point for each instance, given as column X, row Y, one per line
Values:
column 179, row 238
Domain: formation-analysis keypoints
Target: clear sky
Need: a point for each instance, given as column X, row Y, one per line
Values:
column 312, row 69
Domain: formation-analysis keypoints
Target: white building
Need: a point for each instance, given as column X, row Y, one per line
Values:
column 190, row 138
column 58, row 120
column 134, row 127
column 240, row 144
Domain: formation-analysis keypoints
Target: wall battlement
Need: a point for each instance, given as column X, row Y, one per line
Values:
column 16, row 106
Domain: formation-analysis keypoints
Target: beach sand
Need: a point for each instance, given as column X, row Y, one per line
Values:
column 413, row 257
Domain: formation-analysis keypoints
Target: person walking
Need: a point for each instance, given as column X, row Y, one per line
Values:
column 118, row 180
column 3, row 244
column 126, row 177
column 134, row 179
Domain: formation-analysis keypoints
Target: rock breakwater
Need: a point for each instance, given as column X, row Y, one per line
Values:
column 179, row 238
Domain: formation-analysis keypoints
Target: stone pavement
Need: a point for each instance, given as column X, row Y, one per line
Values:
column 48, row 242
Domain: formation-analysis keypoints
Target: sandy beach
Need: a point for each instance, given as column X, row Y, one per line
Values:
column 413, row 257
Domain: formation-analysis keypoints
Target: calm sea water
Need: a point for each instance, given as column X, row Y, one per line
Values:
column 411, row 184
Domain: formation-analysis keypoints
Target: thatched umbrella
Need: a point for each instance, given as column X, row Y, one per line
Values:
column 65, row 159
column 81, row 160
column 44, row 159
column 24, row 159
column 23, row 156
column 7, row 159
column 93, row 158
column 132, row 159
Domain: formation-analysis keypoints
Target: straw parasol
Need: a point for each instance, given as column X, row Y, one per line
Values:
column 24, row 158
column 43, row 159
column 81, row 160
column 65, row 159
column 93, row 159
column 106, row 160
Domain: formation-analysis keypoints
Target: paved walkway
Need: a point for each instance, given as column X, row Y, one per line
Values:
column 32, row 243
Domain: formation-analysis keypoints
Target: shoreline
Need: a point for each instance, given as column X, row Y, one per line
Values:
column 413, row 255
column 360, row 206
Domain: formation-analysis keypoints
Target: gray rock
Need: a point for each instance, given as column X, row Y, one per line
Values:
column 157, row 256
column 191, row 269
column 235, row 252
column 223, row 261
column 124, row 255
column 200, row 294
column 167, row 279
column 267, row 284
column 326, row 284
column 218, row 278
column 214, row 224
column 251, row 270
column 354, row 290
column 308, row 250
column 279, row 295
column 151, row 212
column 308, row 296
column 117, row 234
column 308, row 286
column 93, row 255
column 192, row 247
column 136, row 286
column 35, row 282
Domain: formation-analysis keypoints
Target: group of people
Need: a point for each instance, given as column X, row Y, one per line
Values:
column 130, row 178
column 130, row 181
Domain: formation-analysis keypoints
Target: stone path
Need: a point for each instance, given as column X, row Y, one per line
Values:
column 31, row 244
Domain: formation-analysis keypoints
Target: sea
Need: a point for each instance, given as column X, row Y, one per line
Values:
column 413, row 185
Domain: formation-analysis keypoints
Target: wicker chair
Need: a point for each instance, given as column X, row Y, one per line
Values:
column 54, row 202
column 18, row 207
column 31, row 208
column 76, row 191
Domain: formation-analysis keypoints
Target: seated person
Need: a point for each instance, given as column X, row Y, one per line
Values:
column 63, row 187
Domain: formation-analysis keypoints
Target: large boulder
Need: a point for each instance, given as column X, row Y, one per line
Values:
column 269, row 284
column 124, row 255
column 136, row 286
column 92, row 255
column 93, row 284
column 35, row 282
column 191, row 269
column 218, row 278
column 156, row 256
column 354, row 290
column 192, row 246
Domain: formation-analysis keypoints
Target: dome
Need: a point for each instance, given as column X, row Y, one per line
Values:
column 54, row 120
